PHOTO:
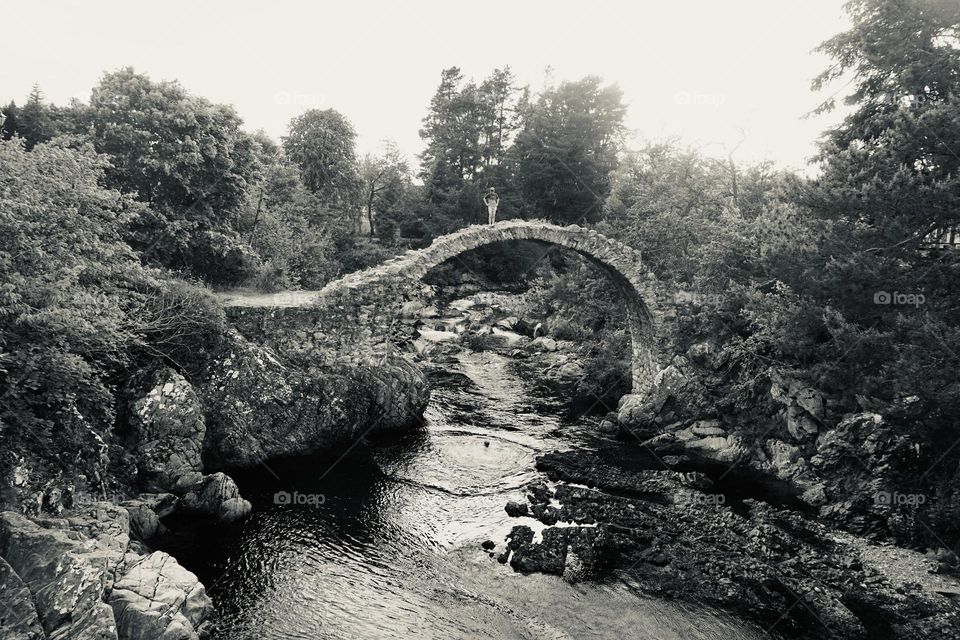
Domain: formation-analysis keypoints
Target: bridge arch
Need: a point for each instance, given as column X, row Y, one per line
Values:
column 366, row 291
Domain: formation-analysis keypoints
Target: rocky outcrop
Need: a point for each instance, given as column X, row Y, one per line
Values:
column 157, row 599
column 259, row 406
column 866, row 462
column 804, row 408
column 67, row 571
column 166, row 430
column 145, row 511
column 774, row 567
column 76, row 577
column 676, row 393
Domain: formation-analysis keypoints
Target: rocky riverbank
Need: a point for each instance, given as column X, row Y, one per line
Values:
column 687, row 509
column 75, row 555
column 86, row 576
column 672, row 533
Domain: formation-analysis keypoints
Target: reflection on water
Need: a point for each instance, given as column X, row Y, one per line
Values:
column 391, row 550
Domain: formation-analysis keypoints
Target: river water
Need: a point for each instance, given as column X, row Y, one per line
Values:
column 385, row 542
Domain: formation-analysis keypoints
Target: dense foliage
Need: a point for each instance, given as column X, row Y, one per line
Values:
column 77, row 309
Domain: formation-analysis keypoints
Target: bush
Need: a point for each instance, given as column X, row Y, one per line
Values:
column 221, row 258
column 178, row 322
column 272, row 278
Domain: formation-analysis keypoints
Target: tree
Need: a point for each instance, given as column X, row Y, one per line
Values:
column 288, row 227
column 36, row 121
column 386, row 180
column 893, row 164
column 322, row 144
column 567, row 148
column 682, row 210
column 891, row 176
column 468, row 132
column 11, row 120
column 185, row 157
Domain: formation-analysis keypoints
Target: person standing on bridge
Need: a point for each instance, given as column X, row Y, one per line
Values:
column 491, row 199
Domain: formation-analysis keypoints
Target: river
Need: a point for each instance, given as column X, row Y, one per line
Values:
column 384, row 542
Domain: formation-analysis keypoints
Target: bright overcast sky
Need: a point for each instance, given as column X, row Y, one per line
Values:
column 700, row 70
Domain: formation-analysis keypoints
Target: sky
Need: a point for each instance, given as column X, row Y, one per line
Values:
column 727, row 77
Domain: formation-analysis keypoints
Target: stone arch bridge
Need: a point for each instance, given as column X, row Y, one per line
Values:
column 355, row 317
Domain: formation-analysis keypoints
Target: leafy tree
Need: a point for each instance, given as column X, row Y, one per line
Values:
column 386, row 183
column 567, row 148
column 187, row 159
column 288, row 226
column 322, row 144
column 891, row 176
column 893, row 164
column 689, row 214
column 10, row 120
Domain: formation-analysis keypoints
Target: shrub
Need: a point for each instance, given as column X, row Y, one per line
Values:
column 178, row 322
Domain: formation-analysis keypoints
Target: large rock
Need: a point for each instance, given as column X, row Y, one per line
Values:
column 804, row 407
column 545, row 344
column 216, row 496
column 145, row 511
column 166, row 430
column 567, row 372
column 83, row 581
column 860, row 460
column 676, row 393
column 67, row 572
column 157, row 599
column 260, row 407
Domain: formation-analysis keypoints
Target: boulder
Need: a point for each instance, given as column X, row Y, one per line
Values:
column 516, row 509
column 704, row 428
column 804, row 407
column 576, row 553
column 566, row 372
column 145, row 512
column 724, row 449
column 157, row 599
column 258, row 407
column 216, row 496
column 676, row 393
column 543, row 343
